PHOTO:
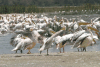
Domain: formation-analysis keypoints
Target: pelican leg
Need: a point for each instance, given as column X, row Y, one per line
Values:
column 78, row 49
column 21, row 51
column 40, row 51
column 16, row 51
column 81, row 49
column 84, row 49
column 63, row 49
column 60, row 50
column 29, row 52
column 47, row 52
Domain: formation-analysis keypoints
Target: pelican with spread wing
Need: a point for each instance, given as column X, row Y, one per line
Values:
column 48, row 42
column 85, row 39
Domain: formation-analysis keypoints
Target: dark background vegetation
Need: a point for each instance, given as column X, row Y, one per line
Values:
column 28, row 6
column 43, row 3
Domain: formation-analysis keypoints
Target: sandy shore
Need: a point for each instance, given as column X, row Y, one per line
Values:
column 69, row 59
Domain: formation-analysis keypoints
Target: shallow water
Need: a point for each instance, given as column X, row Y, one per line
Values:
column 5, row 47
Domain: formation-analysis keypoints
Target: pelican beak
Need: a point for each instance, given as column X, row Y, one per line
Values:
column 97, row 34
column 23, row 37
column 61, row 22
column 94, row 41
column 45, row 21
column 33, row 21
column 64, row 28
column 52, row 31
column 83, row 23
column 93, row 29
column 31, row 29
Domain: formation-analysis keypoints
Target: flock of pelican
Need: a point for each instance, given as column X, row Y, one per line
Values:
column 30, row 29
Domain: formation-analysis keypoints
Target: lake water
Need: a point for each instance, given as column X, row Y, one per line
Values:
column 5, row 47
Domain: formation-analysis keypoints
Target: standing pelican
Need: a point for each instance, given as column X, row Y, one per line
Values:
column 85, row 39
column 77, row 34
column 25, row 43
column 61, row 41
column 48, row 42
column 33, row 35
column 15, row 40
column 19, row 45
column 58, row 44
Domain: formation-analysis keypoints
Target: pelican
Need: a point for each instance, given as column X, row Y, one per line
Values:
column 85, row 39
column 59, row 44
column 18, row 26
column 61, row 41
column 48, row 42
column 77, row 34
column 15, row 40
column 34, row 35
column 28, row 44
column 29, row 47
column 80, row 40
column 25, row 43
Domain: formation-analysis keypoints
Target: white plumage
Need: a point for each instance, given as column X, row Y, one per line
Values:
column 23, row 43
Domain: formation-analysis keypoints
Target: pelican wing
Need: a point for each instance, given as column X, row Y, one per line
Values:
column 57, row 39
column 42, row 48
column 49, row 41
column 19, row 31
column 81, row 38
column 77, row 34
column 19, row 46
column 66, row 37
column 27, row 42
column 56, row 34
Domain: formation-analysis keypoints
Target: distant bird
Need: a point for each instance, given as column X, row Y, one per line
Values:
column 18, row 26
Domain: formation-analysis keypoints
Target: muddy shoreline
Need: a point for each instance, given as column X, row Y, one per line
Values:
column 68, row 59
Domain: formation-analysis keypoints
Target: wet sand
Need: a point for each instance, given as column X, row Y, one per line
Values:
column 68, row 59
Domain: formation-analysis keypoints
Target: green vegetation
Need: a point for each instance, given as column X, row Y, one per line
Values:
column 49, row 3
column 17, row 9
column 40, row 6
column 87, row 8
